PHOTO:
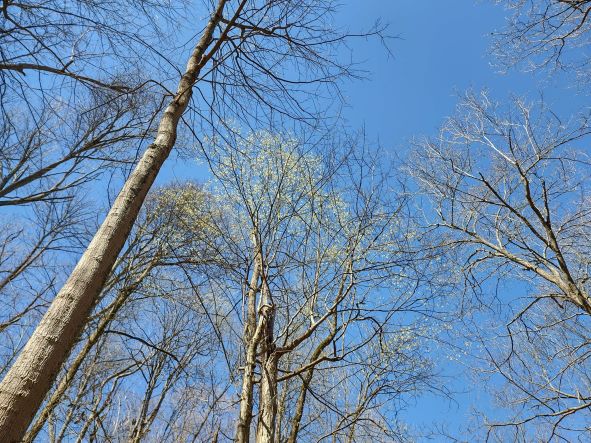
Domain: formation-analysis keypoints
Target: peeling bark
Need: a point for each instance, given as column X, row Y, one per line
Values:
column 251, row 346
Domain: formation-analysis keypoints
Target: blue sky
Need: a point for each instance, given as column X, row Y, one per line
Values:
column 440, row 49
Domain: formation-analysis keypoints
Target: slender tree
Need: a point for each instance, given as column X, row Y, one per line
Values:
column 318, row 254
column 30, row 377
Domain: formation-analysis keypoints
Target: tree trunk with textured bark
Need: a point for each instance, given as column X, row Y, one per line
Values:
column 251, row 338
column 65, row 382
column 268, row 386
column 29, row 379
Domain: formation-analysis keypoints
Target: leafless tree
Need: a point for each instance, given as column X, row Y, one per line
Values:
column 552, row 34
column 34, row 243
column 61, row 128
column 170, row 309
column 72, row 100
column 65, row 123
column 145, row 345
column 509, row 189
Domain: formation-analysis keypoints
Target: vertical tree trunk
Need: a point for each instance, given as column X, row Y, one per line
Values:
column 246, row 396
column 269, row 362
column 268, row 387
column 251, row 346
column 280, row 428
column 29, row 379
column 299, row 409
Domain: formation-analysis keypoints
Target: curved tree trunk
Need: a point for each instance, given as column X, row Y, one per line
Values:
column 306, row 380
column 29, row 379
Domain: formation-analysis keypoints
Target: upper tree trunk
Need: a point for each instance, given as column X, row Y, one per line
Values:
column 29, row 379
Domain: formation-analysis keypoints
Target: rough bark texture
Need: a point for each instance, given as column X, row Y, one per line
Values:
column 268, row 387
column 64, row 383
column 29, row 379
column 251, row 345
column 269, row 363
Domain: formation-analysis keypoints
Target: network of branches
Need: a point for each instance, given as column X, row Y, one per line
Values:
column 304, row 284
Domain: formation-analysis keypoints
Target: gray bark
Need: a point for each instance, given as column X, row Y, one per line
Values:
column 268, row 386
column 251, row 339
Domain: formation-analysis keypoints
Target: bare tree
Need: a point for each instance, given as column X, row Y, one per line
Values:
column 66, row 123
column 244, row 51
column 72, row 98
column 62, row 127
column 147, row 331
column 355, row 360
column 552, row 34
column 29, row 270
column 509, row 189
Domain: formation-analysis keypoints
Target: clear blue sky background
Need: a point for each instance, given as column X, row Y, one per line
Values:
column 442, row 49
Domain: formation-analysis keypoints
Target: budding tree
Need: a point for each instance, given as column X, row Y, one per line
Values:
column 325, row 303
column 148, row 343
column 510, row 192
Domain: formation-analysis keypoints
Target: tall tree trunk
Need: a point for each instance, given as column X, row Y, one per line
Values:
column 75, row 364
column 268, row 386
column 29, row 379
column 251, row 345
column 246, row 396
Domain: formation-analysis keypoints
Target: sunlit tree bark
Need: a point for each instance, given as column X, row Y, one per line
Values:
column 25, row 385
column 316, row 252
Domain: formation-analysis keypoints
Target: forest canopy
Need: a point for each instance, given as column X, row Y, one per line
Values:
column 285, row 221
